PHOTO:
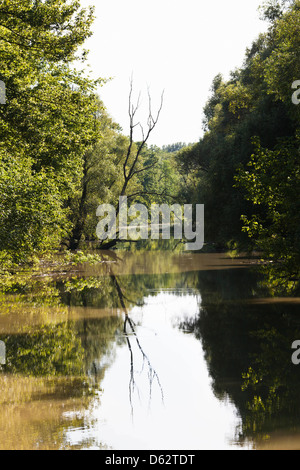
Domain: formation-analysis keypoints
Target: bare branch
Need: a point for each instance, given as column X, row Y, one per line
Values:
column 152, row 374
column 142, row 130
column 151, row 122
column 132, row 110
column 145, row 168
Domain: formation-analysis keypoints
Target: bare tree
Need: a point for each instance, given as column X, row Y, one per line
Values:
column 130, row 164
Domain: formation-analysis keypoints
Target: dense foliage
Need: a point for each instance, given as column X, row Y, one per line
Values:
column 245, row 169
column 46, row 123
column 61, row 155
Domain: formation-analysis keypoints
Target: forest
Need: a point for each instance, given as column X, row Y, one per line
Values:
column 62, row 155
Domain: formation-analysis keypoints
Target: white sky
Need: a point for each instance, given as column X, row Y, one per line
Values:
column 171, row 45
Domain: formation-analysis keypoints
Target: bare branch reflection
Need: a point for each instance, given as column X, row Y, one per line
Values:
column 130, row 333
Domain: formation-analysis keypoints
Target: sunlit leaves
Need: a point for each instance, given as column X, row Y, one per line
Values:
column 272, row 182
column 48, row 123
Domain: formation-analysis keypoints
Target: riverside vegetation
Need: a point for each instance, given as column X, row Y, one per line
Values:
column 61, row 154
column 88, row 325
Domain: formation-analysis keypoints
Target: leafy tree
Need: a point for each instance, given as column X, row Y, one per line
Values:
column 48, row 120
column 171, row 148
column 254, row 102
column 100, row 182
column 271, row 181
column 271, row 10
column 32, row 215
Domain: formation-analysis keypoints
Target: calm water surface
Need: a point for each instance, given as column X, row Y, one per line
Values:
column 149, row 351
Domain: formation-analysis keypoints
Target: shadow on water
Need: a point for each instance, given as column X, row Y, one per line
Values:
column 63, row 333
column 247, row 344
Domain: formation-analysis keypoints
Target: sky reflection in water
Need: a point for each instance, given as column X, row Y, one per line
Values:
column 188, row 417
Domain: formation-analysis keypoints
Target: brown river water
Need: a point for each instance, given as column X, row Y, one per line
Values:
column 149, row 350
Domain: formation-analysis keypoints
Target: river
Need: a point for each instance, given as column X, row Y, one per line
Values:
column 149, row 350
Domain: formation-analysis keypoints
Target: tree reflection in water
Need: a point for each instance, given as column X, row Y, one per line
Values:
column 150, row 371
column 246, row 337
column 72, row 328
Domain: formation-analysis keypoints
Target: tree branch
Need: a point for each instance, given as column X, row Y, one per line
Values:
column 151, row 122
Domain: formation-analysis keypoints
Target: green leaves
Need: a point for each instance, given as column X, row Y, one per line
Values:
column 273, row 183
column 32, row 214
column 272, row 180
column 51, row 29
column 282, row 67
column 47, row 124
column 247, row 163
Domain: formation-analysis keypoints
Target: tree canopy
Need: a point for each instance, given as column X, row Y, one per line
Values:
column 47, row 122
column 245, row 169
column 61, row 154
